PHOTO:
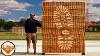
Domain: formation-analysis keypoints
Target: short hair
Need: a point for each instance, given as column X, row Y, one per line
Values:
column 32, row 14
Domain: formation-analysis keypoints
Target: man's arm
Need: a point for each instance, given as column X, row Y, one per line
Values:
column 38, row 24
column 26, row 25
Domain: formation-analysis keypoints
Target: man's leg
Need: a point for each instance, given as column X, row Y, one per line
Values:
column 34, row 40
column 28, row 38
column 34, row 46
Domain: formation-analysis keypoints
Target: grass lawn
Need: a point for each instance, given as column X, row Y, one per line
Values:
column 20, row 36
column 92, row 35
column 15, row 36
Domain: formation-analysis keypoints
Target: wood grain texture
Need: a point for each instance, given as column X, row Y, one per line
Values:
column 63, row 27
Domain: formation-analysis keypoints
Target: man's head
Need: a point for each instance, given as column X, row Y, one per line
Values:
column 32, row 16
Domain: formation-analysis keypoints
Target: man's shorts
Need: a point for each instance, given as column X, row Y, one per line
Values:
column 31, row 36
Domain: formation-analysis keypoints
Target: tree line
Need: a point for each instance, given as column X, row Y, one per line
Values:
column 7, row 25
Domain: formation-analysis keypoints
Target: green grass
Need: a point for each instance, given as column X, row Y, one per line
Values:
column 15, row 36
column 92, row 36
column 18, row 36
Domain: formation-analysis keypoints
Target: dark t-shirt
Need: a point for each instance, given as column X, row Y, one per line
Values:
column 31, row 26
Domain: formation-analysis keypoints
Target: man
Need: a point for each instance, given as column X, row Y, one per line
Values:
column 31, row 28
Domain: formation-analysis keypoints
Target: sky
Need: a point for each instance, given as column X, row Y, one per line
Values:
column 14, row 10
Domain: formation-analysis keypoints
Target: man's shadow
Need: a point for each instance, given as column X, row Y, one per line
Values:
column 24, row 53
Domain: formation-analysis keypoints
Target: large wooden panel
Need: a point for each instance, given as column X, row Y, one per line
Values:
column 63, row 27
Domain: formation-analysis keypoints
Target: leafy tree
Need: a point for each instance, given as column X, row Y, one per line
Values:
column 2, row 23
column 22, row 22
column 8, row 25
column 98, row 22
column 98, row 27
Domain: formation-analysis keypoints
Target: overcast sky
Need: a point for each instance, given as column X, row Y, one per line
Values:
column 16, row 9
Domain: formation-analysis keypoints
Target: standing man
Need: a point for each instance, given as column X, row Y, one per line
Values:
column 31, row 28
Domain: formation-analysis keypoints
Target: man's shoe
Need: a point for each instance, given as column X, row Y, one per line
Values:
column 27, row 53
column 34, row 52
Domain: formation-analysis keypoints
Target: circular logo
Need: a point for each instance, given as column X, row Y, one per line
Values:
column 7, row 48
